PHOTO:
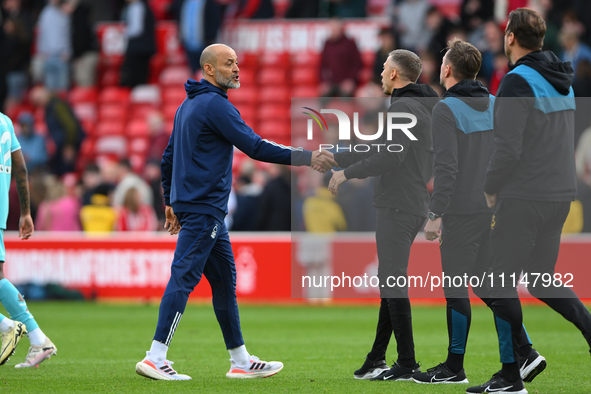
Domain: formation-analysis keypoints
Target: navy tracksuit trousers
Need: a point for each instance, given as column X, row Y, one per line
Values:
column 203, row 248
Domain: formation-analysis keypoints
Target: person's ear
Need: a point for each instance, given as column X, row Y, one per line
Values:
column 393, row 74
column 510, row 38
column 208, row 69
column 447, row 71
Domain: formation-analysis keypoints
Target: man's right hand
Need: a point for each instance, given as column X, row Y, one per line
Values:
column 172, row 224
column 433, row 229
column 323, row 161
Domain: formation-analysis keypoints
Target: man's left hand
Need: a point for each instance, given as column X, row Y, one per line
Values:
column 338, row 177
column 322, row 161
column 433, row 229
column 491, row 199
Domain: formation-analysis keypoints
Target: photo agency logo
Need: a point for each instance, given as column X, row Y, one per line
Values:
column 392, row 125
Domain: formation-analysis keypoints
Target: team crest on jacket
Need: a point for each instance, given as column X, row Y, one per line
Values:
column 214, row 232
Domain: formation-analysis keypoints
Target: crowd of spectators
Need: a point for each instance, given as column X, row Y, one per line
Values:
column 49, row 46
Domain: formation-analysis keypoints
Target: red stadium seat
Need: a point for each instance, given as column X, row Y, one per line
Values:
column 305, row 59
column 247, row 77
column 270, row 112
column 175, row 75
column 248, row 113
column 275, row 59
column 141, row 111
column 247, row 94
column 305, row 91
column 110, row 78
column 169, row 111
column 248, row 60
column 114, row 95
column 304, row 76
column 145, row 94
column 139, row 145
column 272, row 76
column 275, row 94
column 274, row 130
column 83, row 95
column 137, row 128
column 173, row 95
column 112, row 112
column 368, row 59
column 85, row 111
column 111, row 144
column 110, row 128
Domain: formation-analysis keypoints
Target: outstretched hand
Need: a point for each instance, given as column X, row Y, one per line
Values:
column 322, row 161
column 172, row 224
column 338, row 177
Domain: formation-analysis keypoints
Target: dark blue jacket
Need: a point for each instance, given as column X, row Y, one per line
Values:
column 197, row 163
column 463, row 137
column 533, row 157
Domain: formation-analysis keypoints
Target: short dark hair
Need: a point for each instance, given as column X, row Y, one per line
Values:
column 528, row 27
column 464, row 58
column 409, row 64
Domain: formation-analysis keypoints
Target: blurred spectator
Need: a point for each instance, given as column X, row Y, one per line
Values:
column 152, row 175
column 387, row 44
column 16, row 55
column 32, row 144
column 134, row 215
column 303, row 9
column 90, row 180
column 141, row 43
column 252, row 9
column 358, row 193
column 340, row 63
column 440, row 27
column 84, row 43
column 493, row 45
column 274, row 210
column 63, row 127
column 322, row 214
column 474, row 12
column 573, row 49
column 412, row 31
column 98, row 216
column 60, row 209
column 159, row 136
column 128, row 180
column 199, row 23
column 583, row 165
column 500, row 68
column 248, row 187
column 54, row 47
column 343, row 8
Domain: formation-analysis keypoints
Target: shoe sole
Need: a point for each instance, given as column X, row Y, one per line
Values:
column 403, row 378
column 17, row 340
column 371, row 374
column 253, row 375
column 146, row 371
column 443, row 381
column 524, row 391
column 46, row 355
column 534, row 369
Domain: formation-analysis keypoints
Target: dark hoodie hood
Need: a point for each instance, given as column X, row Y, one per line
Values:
column 424, row 93
column 558, row 73
column 470, row 92
column 194, row 88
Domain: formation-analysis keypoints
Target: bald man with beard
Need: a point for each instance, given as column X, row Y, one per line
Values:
column 197, row 177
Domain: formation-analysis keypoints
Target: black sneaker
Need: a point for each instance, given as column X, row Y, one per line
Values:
column 440, row 374
column 398, row 372
column 371, row 369
column 498, row 384
column 531, row 366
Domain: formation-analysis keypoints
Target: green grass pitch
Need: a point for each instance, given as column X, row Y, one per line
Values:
column 99, row 345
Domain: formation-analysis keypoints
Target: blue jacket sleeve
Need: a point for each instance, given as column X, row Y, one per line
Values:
column 225, row 119
column 445, row 143
column 166, row 168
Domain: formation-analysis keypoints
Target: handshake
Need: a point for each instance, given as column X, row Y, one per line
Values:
column 323, row 161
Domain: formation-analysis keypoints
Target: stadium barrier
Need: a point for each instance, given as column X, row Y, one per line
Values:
column 136, row 266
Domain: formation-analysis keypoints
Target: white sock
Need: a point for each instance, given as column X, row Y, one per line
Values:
column 37, row 337
column 6, row 325
column 157, row 352
column 239, row 355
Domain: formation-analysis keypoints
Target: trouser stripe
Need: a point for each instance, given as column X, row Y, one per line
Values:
column 175, row 323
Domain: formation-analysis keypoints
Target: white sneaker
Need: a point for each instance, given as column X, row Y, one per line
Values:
column 158, row 371
column 254, row 369
column 10, row 340
column 38, row 354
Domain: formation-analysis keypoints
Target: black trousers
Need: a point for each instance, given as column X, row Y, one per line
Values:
column 395, row 233
column 525, row 236
column 464, row 248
